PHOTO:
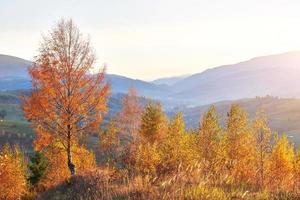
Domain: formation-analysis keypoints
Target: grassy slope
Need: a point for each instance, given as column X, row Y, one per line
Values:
column 283, row 114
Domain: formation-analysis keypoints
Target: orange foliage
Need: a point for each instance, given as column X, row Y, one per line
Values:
column 66, row 99
column 12, row 173
column 263, row 136
column 281, row 166
column 209, row 138
column 239, row 147
column 109, row 142
column 129, row 118
column 128, row 122
column 57, row 170
column 153, row 123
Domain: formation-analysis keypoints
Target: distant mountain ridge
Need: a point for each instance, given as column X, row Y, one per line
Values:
column 120, row 84
column 275, row 75
column 14, row 76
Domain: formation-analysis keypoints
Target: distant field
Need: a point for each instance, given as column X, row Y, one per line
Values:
column 13, row 112
column 14, row 129
column 16, row 132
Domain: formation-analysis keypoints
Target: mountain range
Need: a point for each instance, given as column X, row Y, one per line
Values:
column 275, row 75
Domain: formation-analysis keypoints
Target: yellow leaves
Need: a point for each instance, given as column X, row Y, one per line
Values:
column 281, row 166
column 163, row 154
column 57, row 171
column 208, row 141
column 153, row 123
column 109, row 138
column 147, row 159
column 177, row 125
column 12, row 173
column 239, row 147
column 297, row 169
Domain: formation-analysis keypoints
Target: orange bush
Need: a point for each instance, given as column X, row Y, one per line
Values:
column 12, row 173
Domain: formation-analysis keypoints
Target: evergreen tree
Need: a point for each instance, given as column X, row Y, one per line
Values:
column 37, row 167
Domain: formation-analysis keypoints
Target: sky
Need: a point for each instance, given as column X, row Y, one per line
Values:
column 149, row 39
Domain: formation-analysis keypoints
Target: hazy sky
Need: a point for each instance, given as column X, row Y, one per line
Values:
column 147, row 39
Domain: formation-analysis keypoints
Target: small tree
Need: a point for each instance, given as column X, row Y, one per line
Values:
column 109, row 141
column 153, row 123
column 128, row 122
column 263, row 136
column 175, row 149
column 281, row 166
column 153, row 129
column 129, row 118
column 239, row 147
column 37, row 166
column 209, row 138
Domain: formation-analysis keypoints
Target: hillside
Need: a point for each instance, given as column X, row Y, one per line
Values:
column 275, row 75
column 14, row 76
column 13, row 73
column 283, row 114
column 120, row 84
column 169, row 80
column 11, row 66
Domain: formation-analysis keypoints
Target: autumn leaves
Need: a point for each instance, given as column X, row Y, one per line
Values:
column 66, row 100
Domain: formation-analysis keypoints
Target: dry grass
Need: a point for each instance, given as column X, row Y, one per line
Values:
column 109, row 184
column 101, row 184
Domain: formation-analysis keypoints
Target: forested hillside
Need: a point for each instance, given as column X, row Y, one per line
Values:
column 283, row 114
